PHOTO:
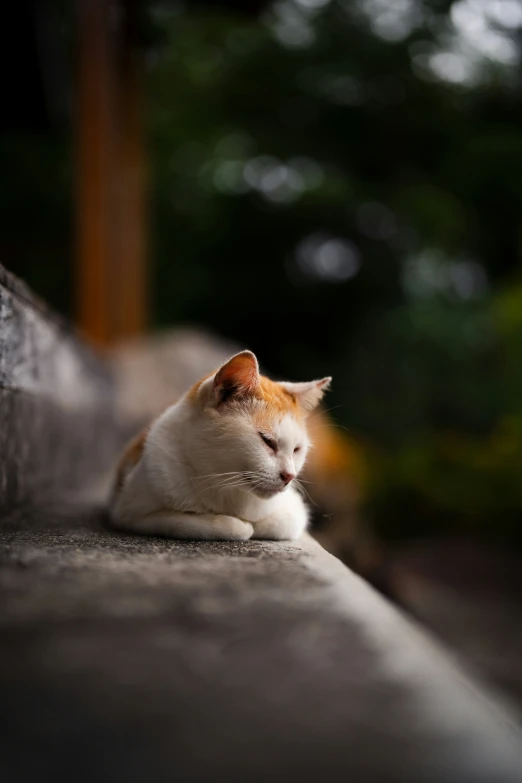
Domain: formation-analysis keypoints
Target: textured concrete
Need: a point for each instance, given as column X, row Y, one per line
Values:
column 144, row 660
column 470, row 594
column 135, row 659
column 59, row 431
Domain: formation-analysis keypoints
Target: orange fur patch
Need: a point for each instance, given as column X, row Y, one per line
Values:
column 277, row 396
column 130, row 457
column 278, row 400
column 278, row 403
column 192, row 394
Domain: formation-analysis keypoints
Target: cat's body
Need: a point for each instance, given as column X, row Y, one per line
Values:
column 219, row 464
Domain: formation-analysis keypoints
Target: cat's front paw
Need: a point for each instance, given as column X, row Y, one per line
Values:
column 279, row 530
column 233, row 529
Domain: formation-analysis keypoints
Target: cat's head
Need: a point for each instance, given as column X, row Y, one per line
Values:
column 251, row 430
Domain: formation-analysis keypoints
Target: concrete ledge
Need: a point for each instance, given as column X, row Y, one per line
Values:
column 56, row 399
column 144, row 660
column 136, row 659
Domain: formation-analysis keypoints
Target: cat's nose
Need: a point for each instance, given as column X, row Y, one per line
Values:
column 286, row 477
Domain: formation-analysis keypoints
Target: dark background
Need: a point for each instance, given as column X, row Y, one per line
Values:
column 337, row 185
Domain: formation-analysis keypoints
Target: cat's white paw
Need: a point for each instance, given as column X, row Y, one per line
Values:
column 233, row 529
column 279, row 530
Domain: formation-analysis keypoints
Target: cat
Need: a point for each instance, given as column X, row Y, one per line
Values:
column 221, row 463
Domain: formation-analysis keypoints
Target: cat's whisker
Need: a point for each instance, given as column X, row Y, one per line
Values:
column 229, row 484
column 322, row 411
column 225, row 478
column 228, row 473
column 301, row 492
column 222, row 485
column 304, row 492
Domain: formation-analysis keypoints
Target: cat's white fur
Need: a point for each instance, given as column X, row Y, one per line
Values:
column 204, row 470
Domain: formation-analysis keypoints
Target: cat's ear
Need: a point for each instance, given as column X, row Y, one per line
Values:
column 238, row 378
column 310, row 394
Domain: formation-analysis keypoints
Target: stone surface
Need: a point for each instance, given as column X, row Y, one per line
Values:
column 59, row 429
column 470, row 594
column 145, row 660
column 141, row 659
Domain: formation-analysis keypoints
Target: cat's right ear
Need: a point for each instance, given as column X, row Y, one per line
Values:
column 238, row 378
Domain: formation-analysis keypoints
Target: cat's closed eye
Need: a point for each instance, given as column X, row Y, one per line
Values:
column 270, row 442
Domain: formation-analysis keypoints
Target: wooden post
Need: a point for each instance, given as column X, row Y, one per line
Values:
column 94, row 129
column 110, row 279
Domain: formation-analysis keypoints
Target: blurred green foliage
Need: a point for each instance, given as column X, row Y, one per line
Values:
column 338, row 186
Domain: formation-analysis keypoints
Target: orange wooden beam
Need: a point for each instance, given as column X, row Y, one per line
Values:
column 94, row 134
column 111, row 263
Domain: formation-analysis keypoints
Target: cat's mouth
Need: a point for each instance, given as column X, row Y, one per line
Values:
column 265, row 490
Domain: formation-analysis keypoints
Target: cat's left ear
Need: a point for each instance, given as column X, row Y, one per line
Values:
column 310, row 394
column 238, row 378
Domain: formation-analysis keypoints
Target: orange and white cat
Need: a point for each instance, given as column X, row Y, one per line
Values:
column 221, row 462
